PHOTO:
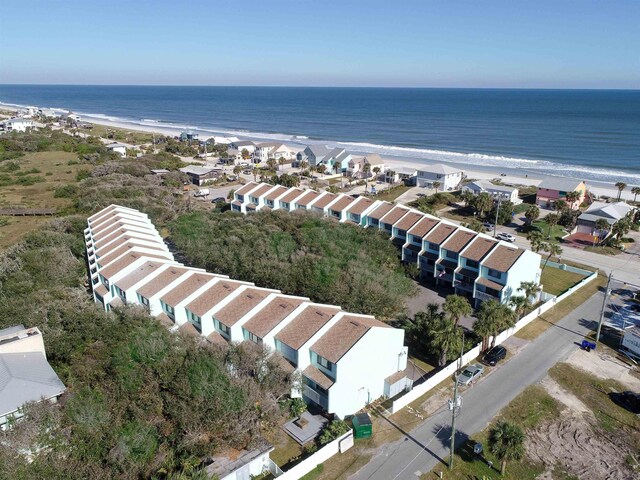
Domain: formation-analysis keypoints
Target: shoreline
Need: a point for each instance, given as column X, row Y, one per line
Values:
column 512, row 175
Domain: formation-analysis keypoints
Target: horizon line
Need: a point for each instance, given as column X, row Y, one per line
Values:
column 397, row 87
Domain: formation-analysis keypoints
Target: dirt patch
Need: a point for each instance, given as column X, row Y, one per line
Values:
column 565, row 397
column 572, row 443
column 605, row 366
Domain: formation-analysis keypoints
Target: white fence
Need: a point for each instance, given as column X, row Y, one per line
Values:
column 450, row 369
column 340, row 444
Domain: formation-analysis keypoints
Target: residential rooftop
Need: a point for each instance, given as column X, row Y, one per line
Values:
column 305, row 325
column 272, row 314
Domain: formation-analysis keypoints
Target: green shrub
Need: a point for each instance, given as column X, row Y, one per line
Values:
column 332, row 431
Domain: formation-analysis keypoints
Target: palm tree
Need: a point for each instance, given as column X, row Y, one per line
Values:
column 255, row 172
column 520, row 304
column 482, row 203
column 466, row 196
column 552, row 220
column 237, row 169
column 436, row 186
column 281, row 162
column 602, row 225
column 376, row 171
column 506, row 442
column 572, row 197
column 445, row 337
column 621, row 228
column 492, row 318
column 271, row 163
column 457, row 306
column 552, row 248
column 530, row 289
column 636, row 192
column 535, row 238
column 532, row 213
column 620, row 186
column 303, row 165
column 561, row 205
column 366, row 170
column 321, row 168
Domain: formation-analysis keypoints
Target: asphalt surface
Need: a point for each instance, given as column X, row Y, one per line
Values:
column 426, row 446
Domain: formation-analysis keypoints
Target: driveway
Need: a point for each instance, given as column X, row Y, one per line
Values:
column 427, row 446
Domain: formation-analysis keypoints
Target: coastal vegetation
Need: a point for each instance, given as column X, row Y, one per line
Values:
column 300, row 254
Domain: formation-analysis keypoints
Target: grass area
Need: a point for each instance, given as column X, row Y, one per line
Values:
column 557, row 232
column 566, row 306
column 555, row 281
column 120, row 134
column 529, row 409
column 427, row 367
column 603, row 250
column 594, row 393
column 285, row 447
column 390, row 194
column 55, row 169
column 458, row 214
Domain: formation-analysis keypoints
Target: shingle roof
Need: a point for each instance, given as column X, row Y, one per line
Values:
column 279, row 190
column 561, row 184
column 138, row 274
column 360, row 206
column 271, row 315
column 423, row 227
column 479, row 248
column 502, row 258
column 159, row 282
column 305, row 325
column 186, row 288
column 292, row 195
column 408, row 220
column 488, row 283
column 394, row 215
column 374, row 159
column 440, row 233
column 307, row 198
column 343, row 203
column 457, row 241
column 26, row 377
column 339, row 339
column 381, row 210
column 246, row 188
column 318, row 377
column 326, row 199
column 101, row 290
column 213, row 296
column 102, row 212
column 241, row 305
column 261, row 190
column 122, row 263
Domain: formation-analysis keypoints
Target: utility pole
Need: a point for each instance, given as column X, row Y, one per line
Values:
column 604, row 306
column 495, row 225
column 454, row 406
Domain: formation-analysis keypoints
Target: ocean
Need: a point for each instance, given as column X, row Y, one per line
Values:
column 586, row 134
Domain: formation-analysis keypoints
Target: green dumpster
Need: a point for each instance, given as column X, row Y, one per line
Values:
column 362, row 427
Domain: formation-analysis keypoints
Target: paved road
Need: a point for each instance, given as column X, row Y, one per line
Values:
column 421, row 449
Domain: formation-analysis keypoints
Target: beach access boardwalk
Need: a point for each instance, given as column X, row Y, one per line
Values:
column 27, row 212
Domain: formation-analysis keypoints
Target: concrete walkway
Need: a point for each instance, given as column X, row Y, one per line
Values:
column 427, row 446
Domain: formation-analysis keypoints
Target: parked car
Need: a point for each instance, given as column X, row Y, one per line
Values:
column 203, row 192
column 494, row 355
column 488, row 226
column 627, row 400
column 470, row 374
column 507, row 237
column 218, row 200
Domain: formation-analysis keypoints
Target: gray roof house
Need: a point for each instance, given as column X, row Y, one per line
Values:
column 314, row 154
column 610, row 212
column 25, row 374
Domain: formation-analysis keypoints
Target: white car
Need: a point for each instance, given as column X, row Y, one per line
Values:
column 470, row 374
column 507, row 237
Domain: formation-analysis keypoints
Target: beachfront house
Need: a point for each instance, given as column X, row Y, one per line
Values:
column 609, row 212
column 247, row 145
column 499, row 192
column 275, row 151
column 346, row 360
column 313, row 154
column 188, row 136
column 26, row 374
column 553, row 189
column 406, row 175
column 119, row 148
column 201, row 175
column 361, row 166
column 448, row 177
column 337, row 156
column 17, row 124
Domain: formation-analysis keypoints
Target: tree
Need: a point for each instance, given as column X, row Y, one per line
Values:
column 366, row 170
column 501, row 212
column 535, row 239
column 237, row 169
column 620, row 229
column 561, row 205
column 552, row 248
column 482, row 203
column 376, row 171
column 272, row 164
column 436, row 186
column 321, row 168
column 602, row 226
column 506, row 442
column 475, row 225
column 230, row 195
column 572, row 198
column 281, row 162
column 466, row 196
column 255, row 171
column 532, row 213
column 636, row 192
column 492, row 318
column 332, row 431
column 303, row 165
column 445, row 337
column 245, row 154
column 620, row 186
column 552, row 220
column 457, row 306
column 520, row 304
column 530, row 289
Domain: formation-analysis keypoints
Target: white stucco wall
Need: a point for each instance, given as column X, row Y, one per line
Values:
column 522, row 271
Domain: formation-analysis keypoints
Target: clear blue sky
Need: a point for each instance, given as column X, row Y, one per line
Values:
column 431, row 43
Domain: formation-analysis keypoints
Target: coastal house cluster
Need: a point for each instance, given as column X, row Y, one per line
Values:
column 472, row 264
column 346, row 360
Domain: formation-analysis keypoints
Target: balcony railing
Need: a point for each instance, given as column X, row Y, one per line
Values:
column 482, row 296
column 315, row 397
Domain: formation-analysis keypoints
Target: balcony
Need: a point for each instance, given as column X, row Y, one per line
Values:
column 315, row 397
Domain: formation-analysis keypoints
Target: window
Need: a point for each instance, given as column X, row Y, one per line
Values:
column 285, row 205
column 452, row 255
column 193, row 317
column 143, row 300
column 375, row 221
column 472, row 264
column 223, row 328
column 494, row 273
column 323, row 362
column 253, row 337
column 168, row 308
column 433, row 246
